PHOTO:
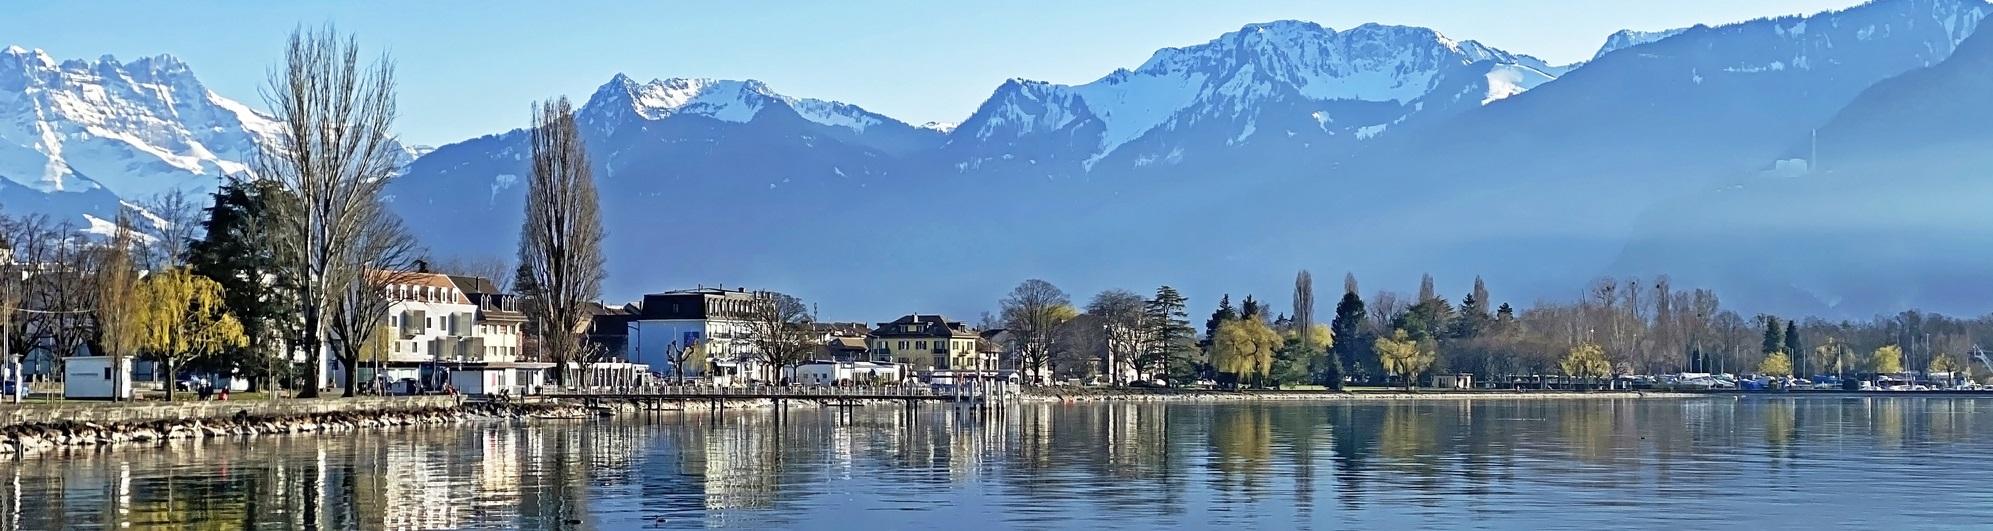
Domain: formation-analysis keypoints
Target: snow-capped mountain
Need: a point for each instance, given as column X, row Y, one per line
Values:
column 1624, row 39
column 75, row 135
column 763, row 172
column 1295, row 82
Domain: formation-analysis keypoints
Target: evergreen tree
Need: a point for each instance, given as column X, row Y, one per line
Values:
column 1426, row 320
column 1352, row 338
column 1252, row 309
column 1774, row 336
column 1225, row 312
column 239, row 252
column 1506, row 314
column 1473, row 319
column 1168, row 340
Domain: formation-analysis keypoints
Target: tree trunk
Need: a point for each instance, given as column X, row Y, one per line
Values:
column 352, row 377
column 314, row 360
column 172, row 377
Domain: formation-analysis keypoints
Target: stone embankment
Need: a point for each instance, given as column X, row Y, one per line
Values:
column 34, row 428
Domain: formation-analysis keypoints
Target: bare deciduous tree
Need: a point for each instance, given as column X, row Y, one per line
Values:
column 378, row 258
column 1119, row 313
column 175, row 217
column 1034, row 312
column 679, row 354
column 335, row 153
column 1304, row 308
column 497, row 270
column 29, row 241
column 780, row 328
column 560, row 244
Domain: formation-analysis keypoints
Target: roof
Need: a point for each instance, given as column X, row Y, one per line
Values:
column 471, row 284
column 931, row 325
column 850, row 343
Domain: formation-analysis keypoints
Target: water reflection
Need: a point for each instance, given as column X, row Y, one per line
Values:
column 1486, row 464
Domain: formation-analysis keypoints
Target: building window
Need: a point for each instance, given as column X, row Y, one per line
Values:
column 920, row 344
column 903, row 344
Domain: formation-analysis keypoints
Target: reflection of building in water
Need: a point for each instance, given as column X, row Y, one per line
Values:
column 414, row 492
column 498, row 467
column 740, row 467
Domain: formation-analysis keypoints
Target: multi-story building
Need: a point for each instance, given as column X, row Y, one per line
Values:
column 714, row 318
column 495, row 333
column 461, row 330
column 928, row 342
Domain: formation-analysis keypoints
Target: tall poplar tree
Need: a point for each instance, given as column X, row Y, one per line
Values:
column 560, row 244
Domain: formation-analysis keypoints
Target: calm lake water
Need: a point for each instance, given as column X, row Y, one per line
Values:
column 1757, row 463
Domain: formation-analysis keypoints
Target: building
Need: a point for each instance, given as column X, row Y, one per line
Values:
column 930, row 344
column 716, row 319
column 496, row 327
column 96, row 377
column 846, row 373
column 489, row 359
column 609, row 330
column 450, row 329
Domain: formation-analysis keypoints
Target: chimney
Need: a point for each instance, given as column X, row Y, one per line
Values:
column 422, row 266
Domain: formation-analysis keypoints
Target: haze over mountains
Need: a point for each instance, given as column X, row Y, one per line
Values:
column 1217, row 167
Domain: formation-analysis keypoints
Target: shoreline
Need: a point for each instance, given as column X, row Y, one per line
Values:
column 38, row 438
column 1125, row 395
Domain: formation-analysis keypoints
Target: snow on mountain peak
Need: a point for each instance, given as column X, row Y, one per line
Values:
column 135, row 128
column 942, row 127
column 736, row 101
column 1623, row 39
column 1236, row 74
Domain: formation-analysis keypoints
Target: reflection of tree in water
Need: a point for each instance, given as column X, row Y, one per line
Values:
column 1406, row 437
column 1781, row 426
column 1886, row 421
column 1585, row 426
column 1355, row 441
column 1303, row 431
column 1241, row 446
column 1118, row 456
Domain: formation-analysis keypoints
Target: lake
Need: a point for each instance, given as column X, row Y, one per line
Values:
column 1755, row 462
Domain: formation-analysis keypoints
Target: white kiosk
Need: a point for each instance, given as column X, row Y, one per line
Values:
column 93, row 377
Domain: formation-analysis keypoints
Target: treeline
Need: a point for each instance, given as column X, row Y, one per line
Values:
column 1615, row 327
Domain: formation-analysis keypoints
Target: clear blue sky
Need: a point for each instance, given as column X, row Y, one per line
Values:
column 470, row 68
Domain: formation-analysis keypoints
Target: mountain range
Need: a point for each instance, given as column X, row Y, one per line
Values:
column 1825, row 163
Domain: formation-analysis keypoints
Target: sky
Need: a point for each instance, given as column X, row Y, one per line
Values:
column 472, row 68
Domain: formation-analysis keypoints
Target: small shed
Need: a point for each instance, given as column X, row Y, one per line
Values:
column 1453, row 381
column 94, row 377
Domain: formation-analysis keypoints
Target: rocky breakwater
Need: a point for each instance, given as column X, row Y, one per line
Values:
column 37, row 437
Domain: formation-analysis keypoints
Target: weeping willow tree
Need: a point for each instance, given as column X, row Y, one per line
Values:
column 183, row 316
column 1405, row 357
column 1586, row 361
column 1244, row 348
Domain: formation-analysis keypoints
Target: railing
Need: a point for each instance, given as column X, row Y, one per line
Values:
column 759, row 391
